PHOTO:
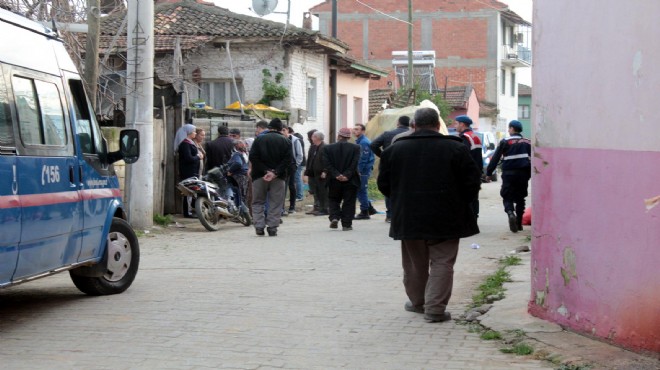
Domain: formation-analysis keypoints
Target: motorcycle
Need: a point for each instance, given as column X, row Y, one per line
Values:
column 214, row 200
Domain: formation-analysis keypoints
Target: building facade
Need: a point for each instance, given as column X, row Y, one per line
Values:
column 476, row 43
column 595, row 183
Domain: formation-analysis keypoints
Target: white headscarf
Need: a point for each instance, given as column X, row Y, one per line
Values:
column 181, row 135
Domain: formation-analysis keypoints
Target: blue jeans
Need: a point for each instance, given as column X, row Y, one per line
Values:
column 362, row 195
column 299, row 182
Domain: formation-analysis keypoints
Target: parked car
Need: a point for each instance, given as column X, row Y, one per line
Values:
column 60, row 200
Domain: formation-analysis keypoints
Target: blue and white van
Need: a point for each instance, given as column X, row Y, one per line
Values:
column 60, row 202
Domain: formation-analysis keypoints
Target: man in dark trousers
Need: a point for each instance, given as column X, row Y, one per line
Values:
column 515, row 152
column 473, row 143
column 218, row 151
column 271, row 155
column 316, row 175
column 381, row 143
column 431, row 180
column 340, row 161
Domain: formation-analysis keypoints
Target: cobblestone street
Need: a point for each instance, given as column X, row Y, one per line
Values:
column 310, row 298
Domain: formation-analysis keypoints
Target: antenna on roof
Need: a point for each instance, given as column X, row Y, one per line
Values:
column 263, row 7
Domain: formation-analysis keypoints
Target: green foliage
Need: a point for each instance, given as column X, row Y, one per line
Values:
column 511, row 261
column 492, row 287
column 163, row 220
column 437, row 99
column 272, row 87
column 491, row 335
column 520, row 349
column 372, row 190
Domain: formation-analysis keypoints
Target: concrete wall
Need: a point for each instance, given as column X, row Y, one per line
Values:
column 596, row 243
column 354, row 87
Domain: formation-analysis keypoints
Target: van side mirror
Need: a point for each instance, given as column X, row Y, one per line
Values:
column 491, row 146
column 129, row 145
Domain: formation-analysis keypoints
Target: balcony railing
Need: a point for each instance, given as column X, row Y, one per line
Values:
column 516, row 56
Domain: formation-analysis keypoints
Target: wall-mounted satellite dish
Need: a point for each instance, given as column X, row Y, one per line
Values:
column 263, row 7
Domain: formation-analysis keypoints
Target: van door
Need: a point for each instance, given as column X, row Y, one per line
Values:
column 10, row 210
column 48, row 183
column 99, row 185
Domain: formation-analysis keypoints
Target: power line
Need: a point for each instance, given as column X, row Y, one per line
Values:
column 381, row 12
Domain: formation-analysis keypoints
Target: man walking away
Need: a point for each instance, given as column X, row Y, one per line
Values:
column 365, row 166
column 515, row 152
column 430, row 179
column 473, row 143
column 317, row 175
column 300, row 194
column 340, row 161
column 270, row 156
column 294, row 170
column 381, row 143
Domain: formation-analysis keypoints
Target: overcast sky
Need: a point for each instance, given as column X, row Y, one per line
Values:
column 298, row 7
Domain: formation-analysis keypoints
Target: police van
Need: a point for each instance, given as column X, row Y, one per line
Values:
column 60, row 201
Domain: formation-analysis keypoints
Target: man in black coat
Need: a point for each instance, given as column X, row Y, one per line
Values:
column 382, row 142
column 316, row 175
column 271, row 155
column 218, row 151
column 340, row 161
column 430, row 179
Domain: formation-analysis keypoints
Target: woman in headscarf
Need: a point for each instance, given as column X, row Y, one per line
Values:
column 199, row 142
column 189, row 161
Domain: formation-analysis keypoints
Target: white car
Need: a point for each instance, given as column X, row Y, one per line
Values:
column 488, row 145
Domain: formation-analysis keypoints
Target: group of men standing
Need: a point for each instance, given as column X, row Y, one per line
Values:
column 430, row 182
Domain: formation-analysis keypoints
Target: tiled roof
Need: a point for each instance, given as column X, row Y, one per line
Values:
column 457, row 96
column 199, row 22
column 524, row 90
column 376, row 99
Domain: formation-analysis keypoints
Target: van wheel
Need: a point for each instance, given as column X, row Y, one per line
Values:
column 207, row 214
column 122, row 260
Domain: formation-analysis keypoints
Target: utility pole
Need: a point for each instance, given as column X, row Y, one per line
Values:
column 139, row 110
column 410, row 46
column 333, row 83
column 91, row 75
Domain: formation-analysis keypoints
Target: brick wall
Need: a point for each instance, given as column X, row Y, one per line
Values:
column 463, row 33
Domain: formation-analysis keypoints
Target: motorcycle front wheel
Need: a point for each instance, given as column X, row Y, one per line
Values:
column 207, row 214
column 244, row 216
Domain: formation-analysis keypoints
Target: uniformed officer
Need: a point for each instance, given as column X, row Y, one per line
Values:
column 515, row 152
column 473, row 143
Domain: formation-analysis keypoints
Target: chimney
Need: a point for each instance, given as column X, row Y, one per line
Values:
column 307, row 20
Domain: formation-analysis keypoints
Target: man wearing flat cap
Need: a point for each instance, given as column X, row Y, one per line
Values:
column 341, row 165
column 473, row 143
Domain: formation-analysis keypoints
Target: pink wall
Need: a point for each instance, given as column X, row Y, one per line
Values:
column 595, row 246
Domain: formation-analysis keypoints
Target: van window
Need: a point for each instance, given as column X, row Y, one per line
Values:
column 40, row 116
column 6, row 129
column 88, row 132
